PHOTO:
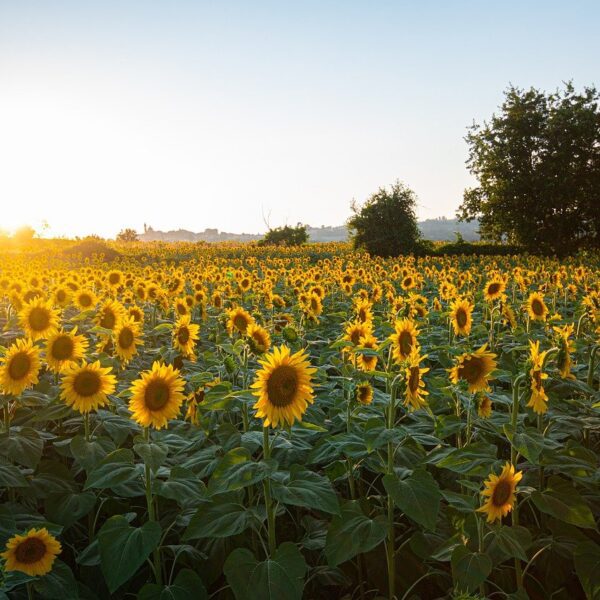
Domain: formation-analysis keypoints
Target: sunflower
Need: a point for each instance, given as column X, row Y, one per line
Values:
column 539, row 400
column 109, row 314
column 460, row 314
column 238, row 319
column 364, row 311
column 20, row 367
column 185, row 336
column 536, row 307
column 474, row 368
column 39, row 319
column 367, row 362
column 33, row 553
column 404, row 339
column 258, row 338
column 156, row 396
column 364, row 393
column 126, row 338
column 64, row 349
column 85, row 300
column 494, row 289
column 283, row 386
column 85, row 387
column 413, row 396
column 354, row 332
column 565, row 348
column 500, row 491
column 484, row 406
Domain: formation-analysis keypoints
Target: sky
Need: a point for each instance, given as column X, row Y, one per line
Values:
column 238, row 115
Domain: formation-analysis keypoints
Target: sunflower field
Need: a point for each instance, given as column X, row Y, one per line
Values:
column 237, row 422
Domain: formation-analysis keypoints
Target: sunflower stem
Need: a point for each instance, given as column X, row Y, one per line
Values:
column 7, row 419
column 29, row 587
column 151, row 513
column 592, row 365
column 268, row 500
column 86, row 426
column 389, row 547
column 481, row 546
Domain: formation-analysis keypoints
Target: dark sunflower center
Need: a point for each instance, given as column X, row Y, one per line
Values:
column 19, row 365
column 39, row 319
column 501, row 493
column 85, row 300
column 355, row 337
column 62, row 348
column 114, row 278
column 87, row 383
column 493, row 288
column 157, row 395
column 282, row 386
column 259, row 339
column 537, row 379
column 405, row 342
column 30, row 551
column 240, row 322
column 61, row 295
column 414, row 379
column 537, row 307
column 471, row 370
column 108, row 320
column 362, row 315
column 182, row 309
column 461, row 317
column 363, row 393
column 183, row 335
column 126, row 338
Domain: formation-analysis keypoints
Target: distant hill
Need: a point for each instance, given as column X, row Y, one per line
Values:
column 440, row 229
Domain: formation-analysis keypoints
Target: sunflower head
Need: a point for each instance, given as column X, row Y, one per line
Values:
column 367, row 362
column 20, row 367
column 475, row 368
column 460, row 315
column 259, row 338
column 185, row 336
column 539, row 400
column 64, row 349
column 157, row 396
column 484, row 406
column 38, row 318
column 536, row 307
column 404, row 339
column 364, row 393
column 85, row 387
column 500, row 493
column 126, row 338
column 238, row 320
column 33, row 553
column 565, row 348
column 283, row 386
column 414, row 395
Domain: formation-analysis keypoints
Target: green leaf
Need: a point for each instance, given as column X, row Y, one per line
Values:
column 65, row 508
column 218, row 520
column 235, row 471
column 469, row 569
column 11, row 477
column 183, row 486
column 89, row 454
column 305, row 488
column 417, row 496
column 116, row 468
column 562, row 500
column 529, row 443
column 514, row 541
column 279, row 578
column 587, row 567
column 124, row 549
column 474, row 459
column 58, row 584
column 153, row 454
column 352, row 533
column 24, row 446
column 187, row 585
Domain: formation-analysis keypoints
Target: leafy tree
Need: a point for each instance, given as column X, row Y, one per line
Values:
column 285, row 236
column 538, row 166
column 386, row 225
column 127, row 235
column 24, row 235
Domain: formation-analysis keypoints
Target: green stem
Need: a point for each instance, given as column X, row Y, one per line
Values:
column 513, row 459
column 390, row 551
column 592, row 365
column 30, row 594
column 86, row 426
column 480, row 539
column 268, row 500
column 7, row 419
column 151, row 514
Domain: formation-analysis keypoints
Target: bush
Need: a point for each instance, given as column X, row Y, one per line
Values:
column 285, row 236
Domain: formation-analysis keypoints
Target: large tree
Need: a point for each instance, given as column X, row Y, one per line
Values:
column 386, row 225
column 538, row 166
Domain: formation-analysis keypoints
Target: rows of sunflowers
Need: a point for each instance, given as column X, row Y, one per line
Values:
column 186, row 422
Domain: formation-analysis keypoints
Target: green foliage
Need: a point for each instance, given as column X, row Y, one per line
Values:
column 127, row 235
column 386, row 224
column 285, row 236
column 538, row 166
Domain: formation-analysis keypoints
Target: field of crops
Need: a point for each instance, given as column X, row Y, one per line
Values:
column 237, row 422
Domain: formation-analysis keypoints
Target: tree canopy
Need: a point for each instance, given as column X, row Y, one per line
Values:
column 386, row 224
column 285, row 236
column 538, row 166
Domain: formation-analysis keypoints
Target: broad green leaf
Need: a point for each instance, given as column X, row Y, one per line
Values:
column 562, row 500
column 124, row 549
column 11, row 477
column 237, row 470
column 474, row 459
column 418, row 496
column 66, row 508
column 187, row 586
column 469, row 569
column 183, row 486
column 280, row 577
column 352, row 533
column 306, row 488
column 116, row 468
column 89, row 454
column 24, row 446
column 58, row 584
column 153, row 454
column 218, row 520
column 514, row 541
column 587, row 567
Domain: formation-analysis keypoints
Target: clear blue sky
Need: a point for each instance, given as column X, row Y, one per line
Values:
column 194, row 114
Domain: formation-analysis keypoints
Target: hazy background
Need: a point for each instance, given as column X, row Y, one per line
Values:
column 194, row 114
